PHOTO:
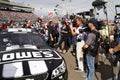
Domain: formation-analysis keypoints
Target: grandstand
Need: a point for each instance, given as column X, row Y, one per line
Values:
column 15, row 11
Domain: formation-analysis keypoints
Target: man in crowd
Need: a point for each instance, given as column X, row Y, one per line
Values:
column 51, row 34
column 64, row 37
column 79, row 42
column 91, row 48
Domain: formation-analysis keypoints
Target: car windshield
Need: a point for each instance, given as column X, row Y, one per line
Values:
column 10, row 38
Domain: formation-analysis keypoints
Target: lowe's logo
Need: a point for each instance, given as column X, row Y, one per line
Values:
column 25, row 55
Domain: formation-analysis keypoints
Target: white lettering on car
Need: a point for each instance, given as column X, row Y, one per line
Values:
column 8, row 57
column 36, row 54
column 23, row 55
column 47, row 54
column 26, row 55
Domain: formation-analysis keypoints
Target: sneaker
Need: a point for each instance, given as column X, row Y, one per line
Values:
column 84, row 75
column 77, row 69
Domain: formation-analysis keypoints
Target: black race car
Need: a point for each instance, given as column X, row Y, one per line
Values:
column 25, row 56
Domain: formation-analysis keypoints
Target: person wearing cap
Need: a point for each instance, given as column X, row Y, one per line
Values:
column 91, row 48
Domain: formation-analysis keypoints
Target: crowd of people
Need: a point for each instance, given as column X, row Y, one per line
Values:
column 85, row 39
column 12, row 15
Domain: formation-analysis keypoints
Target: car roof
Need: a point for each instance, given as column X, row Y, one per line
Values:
column 19, row 30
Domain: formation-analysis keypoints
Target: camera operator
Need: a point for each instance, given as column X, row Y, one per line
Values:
column 78, row 35
column 114, row 51
column 91, row 48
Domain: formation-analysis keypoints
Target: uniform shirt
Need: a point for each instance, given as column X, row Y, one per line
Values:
column 90, row 39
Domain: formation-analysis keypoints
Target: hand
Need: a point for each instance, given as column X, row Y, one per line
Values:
column 111, row 50
column 83, row 50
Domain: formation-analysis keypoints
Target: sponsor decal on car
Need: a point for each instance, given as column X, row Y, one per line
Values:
column 27, row 54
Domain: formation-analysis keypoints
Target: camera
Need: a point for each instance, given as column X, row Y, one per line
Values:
column 81, row 33
column 79, row 37
column 74, row 24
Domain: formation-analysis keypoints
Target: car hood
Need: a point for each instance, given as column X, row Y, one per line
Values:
column 23, row 62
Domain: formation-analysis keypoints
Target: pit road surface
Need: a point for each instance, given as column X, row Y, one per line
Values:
column 103, row 72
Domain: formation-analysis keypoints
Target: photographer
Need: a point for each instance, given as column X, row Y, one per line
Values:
column 91, row 48
column 114, row 51
column 78, row 41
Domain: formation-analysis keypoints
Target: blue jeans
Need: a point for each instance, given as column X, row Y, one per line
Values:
column 59, row 37
column 90, row 66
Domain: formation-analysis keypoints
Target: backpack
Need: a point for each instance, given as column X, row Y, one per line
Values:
column 93, row 48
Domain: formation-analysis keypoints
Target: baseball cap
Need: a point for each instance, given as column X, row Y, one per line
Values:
column 93, row 21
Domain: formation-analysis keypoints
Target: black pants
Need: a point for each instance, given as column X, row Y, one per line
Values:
column 118, row 75
column 51, row 43
column 63, row 39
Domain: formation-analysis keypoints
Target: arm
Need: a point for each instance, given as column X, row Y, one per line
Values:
column 51, row 37
column 115, row 49
column 85, row 46
column 50, row 33
column 64, row 31
column 89, row 41
column 72, row 30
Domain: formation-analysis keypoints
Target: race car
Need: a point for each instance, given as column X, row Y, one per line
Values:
column 25, row 56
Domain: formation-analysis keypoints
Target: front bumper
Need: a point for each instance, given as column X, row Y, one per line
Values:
column 45, row 76
column 63, row 76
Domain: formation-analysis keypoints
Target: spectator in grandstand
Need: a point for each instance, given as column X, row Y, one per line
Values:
column 64, row 37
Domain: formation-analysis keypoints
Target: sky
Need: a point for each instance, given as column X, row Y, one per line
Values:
column 43, row 7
